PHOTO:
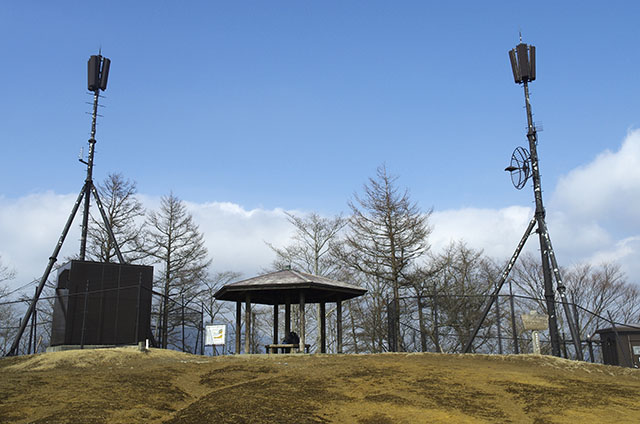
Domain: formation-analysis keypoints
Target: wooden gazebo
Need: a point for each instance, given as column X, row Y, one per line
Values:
column 288, row 287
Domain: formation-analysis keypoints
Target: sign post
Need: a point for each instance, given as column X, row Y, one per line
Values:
column 535, row 322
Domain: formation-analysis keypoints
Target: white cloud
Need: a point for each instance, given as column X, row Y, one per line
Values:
column 594, row 215
column 497, row 232
column 30, row 227
column 625, row 251
column 236, row 237
column 29, row 231
column 596, row 209
column 606, row 189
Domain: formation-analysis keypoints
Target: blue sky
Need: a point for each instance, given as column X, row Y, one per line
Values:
column 292, row 105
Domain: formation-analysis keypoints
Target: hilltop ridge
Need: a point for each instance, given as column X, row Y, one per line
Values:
column 127, row 386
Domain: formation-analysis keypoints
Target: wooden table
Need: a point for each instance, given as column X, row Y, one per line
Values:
column 285, row 348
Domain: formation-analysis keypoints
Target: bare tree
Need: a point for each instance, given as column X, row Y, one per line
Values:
column 213, row 308
column 366, row 324
column 603, row 289
column 8, row 313
column 5, row 272
column 177, row 245
column 126, row 218
column 527, row 276
column 387, row 235
column 423, row 283
column 463, row 277
column 595, row 290
column 310, row 250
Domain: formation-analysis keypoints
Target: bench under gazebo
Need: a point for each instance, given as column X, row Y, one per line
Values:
column 288, row 287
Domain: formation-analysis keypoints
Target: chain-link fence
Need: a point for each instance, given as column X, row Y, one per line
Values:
column 83, row 311
column 444, row 323
column 183, row 321
column 432, row 322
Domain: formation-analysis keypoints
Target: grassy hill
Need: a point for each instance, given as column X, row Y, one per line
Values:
column 127, row 386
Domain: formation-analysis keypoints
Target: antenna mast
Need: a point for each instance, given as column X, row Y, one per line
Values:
column 523, row 65
column 98, row 74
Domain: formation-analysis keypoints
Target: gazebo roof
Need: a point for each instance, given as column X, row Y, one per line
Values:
column 277, row 287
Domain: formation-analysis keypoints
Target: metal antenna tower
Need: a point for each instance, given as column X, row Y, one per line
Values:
column 98, row 74
column 524, row 165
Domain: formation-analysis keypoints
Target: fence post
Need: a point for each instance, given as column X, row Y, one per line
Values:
column 590, row 345
column 564, row 346
column 436, row 327
column 19, row 326
column 195, row 348
column 182, row 298
column 393, row 347
column 514, row 329
column 201, row 329
column 498, row 324
column 423, row 332
column 35, row 328
column 576, row 317
column 159, row 323
column 32, row 321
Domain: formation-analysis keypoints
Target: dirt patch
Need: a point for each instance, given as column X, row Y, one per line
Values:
column 272, row 400
column 544, row 402
column 376, row 419
column 235, row 374
column 388, row 398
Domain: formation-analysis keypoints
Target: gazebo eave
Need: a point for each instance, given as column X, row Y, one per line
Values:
column 279, row 294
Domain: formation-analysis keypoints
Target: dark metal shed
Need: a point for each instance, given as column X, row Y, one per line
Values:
column 621, row 345
column 288, row 287
column 101, row 304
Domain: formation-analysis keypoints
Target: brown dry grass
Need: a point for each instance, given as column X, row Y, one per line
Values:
column 127, row 386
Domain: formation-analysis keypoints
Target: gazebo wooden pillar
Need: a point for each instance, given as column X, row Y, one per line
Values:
column 339, row 326
column 287, row 317
column 238, row 326
column 247, row 324
column 323, row 328
column 302, row 323
column 275, row 323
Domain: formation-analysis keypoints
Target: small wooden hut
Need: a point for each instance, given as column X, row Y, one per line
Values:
column 621, row 345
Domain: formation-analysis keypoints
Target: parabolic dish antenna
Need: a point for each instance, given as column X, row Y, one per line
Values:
column 520, row 167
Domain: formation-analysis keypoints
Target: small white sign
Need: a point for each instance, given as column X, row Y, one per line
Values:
column 535, row 321
column 215, row 335
column 636, row 350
